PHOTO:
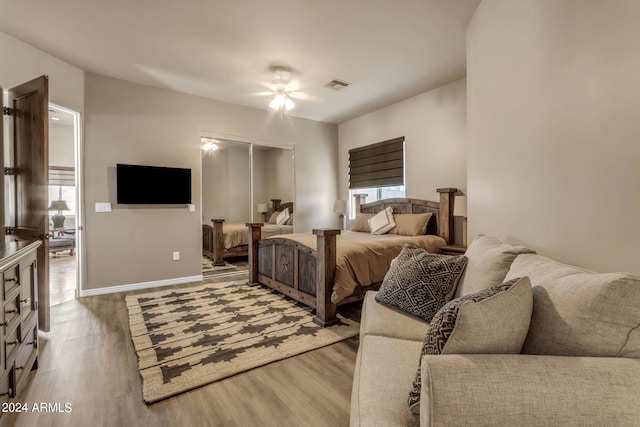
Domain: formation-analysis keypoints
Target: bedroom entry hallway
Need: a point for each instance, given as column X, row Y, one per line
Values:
column 63, row 204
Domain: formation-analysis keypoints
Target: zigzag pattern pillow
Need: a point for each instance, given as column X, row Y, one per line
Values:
column 420, row 283
column 492, row 321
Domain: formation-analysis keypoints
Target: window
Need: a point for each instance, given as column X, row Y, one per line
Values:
column 62, row 186
column 376, row 170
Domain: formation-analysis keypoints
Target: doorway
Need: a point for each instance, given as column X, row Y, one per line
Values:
column 64, row 205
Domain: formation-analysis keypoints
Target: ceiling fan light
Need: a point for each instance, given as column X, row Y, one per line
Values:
column 289, row 104
column 277, row 102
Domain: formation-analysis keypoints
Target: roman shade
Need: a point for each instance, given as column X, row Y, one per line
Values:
column 61, row 175
column 377, row 165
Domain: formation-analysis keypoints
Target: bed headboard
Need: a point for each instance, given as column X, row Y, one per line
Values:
column 441, row 223
column 277, row 205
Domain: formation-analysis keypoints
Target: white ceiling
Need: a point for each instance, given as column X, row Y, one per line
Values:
column 389, row 50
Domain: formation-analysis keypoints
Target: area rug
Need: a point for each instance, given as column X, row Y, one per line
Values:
column 190, row 337
column 236, row 265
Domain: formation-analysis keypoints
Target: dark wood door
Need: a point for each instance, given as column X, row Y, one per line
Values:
column 29, row 104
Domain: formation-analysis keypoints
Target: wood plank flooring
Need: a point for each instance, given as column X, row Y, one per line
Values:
column 88, row 361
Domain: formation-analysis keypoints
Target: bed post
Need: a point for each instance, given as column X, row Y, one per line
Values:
column 218, row 242
column 254, row 236
column 275, row 203
column 445, row 220
column 325, row 271
column 360, row 199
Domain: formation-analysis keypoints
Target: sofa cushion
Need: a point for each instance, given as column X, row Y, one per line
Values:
column 489, row 262
column 384, row 370
column 378, row 319
column 420, row 283
column 577, row 312
column 492, row 321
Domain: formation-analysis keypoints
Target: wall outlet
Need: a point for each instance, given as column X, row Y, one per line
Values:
column 176, row 256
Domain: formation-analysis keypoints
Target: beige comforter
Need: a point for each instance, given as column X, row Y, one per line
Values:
column 237, row 233
column 362, row 259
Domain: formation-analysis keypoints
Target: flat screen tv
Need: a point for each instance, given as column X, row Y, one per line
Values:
column 153, row 185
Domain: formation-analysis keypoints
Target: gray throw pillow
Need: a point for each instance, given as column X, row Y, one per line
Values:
column 420, row 283
column 491, row 321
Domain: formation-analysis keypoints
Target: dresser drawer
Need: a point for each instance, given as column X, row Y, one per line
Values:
column 11, row 311
column 7, row 390
column 26, row 355
column 11, row 345
column 11, row 279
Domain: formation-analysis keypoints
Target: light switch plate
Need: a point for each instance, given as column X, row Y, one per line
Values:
column 192, row 208
column 103, row 207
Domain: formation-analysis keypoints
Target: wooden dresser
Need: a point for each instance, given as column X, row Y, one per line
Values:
column 19, row 318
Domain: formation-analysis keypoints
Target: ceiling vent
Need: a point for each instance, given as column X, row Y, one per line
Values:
column 336, row 84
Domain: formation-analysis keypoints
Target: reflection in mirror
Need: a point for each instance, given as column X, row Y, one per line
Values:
column 227, row 190
column 272, row 178
column 226, row 181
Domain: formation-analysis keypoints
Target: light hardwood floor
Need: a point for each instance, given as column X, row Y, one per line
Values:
column 87, row 360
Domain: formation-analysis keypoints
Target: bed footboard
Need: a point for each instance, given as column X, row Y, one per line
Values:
column 295, row 270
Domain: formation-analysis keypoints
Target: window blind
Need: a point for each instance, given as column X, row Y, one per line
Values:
column 61, row 175
column 377, row 165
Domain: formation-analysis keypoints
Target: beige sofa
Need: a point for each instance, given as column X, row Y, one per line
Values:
column 579, row 365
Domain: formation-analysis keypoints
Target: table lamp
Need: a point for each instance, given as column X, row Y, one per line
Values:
column 340, row 207
column 58, row 219
column 263, row 208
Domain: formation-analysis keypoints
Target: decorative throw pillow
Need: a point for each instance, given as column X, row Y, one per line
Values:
column 411, row 224
column 420, row 283
column 283, row 217
column 361, row 223
column 492, row 321
column 382, row 222
column 290, row 220
column 273, row 218
column 489, row 262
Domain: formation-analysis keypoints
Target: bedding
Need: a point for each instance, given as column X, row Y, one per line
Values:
column 237, row 234
column 363, row 259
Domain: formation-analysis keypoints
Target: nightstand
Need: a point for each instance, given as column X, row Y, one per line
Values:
column 453, row 250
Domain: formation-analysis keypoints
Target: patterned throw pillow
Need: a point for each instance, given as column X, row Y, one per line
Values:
column 420, row 283
column 492, row 321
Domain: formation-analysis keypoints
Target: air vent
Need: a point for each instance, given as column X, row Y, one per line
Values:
column 336, row 84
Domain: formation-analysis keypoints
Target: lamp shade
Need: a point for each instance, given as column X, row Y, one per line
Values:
column 460, row 206
column 58, row 205
column 263, row 207
column 340, row 207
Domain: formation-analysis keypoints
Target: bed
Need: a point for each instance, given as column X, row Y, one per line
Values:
column 222, row 240
column 313, row 268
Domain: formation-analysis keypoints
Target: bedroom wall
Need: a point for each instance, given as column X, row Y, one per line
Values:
column 20, row 62
column 128, row 122
column 434, row 127
column 553, row 128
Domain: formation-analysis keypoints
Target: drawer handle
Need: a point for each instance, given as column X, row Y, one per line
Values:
column 15, row 310
column 4, row 323
column 19, row 368
column 8, row 393
column 24, row 301
column 13, row 279
column 34, row 343
column 11, row 343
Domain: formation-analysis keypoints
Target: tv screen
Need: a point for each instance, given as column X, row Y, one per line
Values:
column 152, row 185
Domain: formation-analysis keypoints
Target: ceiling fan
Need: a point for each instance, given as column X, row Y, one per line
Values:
column 282, row 89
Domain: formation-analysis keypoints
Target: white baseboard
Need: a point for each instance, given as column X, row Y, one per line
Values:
column 137, row 286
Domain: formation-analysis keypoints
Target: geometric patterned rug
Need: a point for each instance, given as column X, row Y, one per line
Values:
column 231, row 265
column 186, row 338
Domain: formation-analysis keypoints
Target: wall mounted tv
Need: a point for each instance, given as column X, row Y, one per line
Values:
column 153, row 185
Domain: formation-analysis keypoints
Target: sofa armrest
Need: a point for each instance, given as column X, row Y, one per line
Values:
column 516, row 389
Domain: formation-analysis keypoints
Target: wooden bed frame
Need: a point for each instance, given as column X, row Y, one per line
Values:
column 306, row 275
column 213, row 237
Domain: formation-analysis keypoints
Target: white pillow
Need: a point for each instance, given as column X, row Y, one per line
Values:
column 283, row 217
column 382, row 222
